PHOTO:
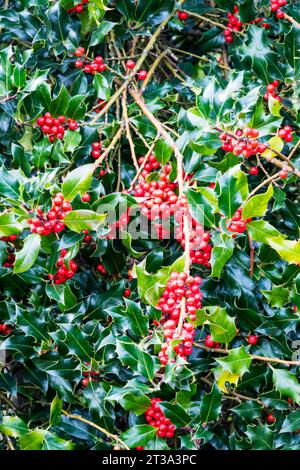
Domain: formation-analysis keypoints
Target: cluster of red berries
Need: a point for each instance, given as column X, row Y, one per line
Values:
column 142, row 74
column 89, row 376
column 94, row 66
column 52, row 222
column 182, row 15
column 243, row 143
column 78, row 8
column 200, row 249
column 259, row 21
column 64, row 272
column 5, row 329
column 159, row 198
column 155, row 417
column 115, row 227
column 210, row 343
column 9, row 262
column 275, row 7
column 96, row 149
column 54, row 126
column 10, row 238
column 100, row 105
column 237, row 224
column 101, row 269
column 150, row 165
column 271, row 90
column 234, row 24
column 286, row 133
column 87, row 238
column 181, row 290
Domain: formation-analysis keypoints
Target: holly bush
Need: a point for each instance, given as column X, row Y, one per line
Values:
column 149, row 222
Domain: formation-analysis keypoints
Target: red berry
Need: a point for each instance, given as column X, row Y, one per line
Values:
column 252, row 339
column 79, row 52
column 271, row 418
column 283, row 174
column 130, row 64
column 127, row 293
column 86, row 197
column 182, row 15
column 142, row 75
column 253, row 170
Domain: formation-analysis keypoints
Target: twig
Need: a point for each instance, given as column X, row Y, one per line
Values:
column 294, row 150
column 291, row 20
column 128, row 133
column 179, row 157
column 142, row 165
column 115, row 139
column 141, row 60
column 253, row 356
column 251, row 255
column 236, row 395
column 9, row 443
column 104, row 431
column 208, row 20
column 152, row 70
column 140, row 136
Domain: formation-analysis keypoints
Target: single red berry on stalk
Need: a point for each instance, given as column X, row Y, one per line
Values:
column 271, row 418
column 142, row 75
column 86, row 197
column 252, row 339
column 127, row 293
column 182, row 15
column 130, row 64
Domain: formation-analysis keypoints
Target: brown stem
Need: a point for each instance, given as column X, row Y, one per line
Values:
column 138, row 65
column 152, row 70
column 253, row 356
column 236, row 395
column 142, row 165
column 115, row 139
column 291, row 20
column 293, row 151
column 127, row 128
column 104, row 431
column 251, row 255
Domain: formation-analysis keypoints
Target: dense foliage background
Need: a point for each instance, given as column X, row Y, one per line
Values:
column 80, row 356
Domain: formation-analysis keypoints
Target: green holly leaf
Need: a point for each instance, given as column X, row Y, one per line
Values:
column 26, row 257
column 202, row 204
column 210, row 406
column 55, row 411
column 162, row 151
column 231, row 189
column 77, row 181
column 176, row 413
column 278, row 296
column 288, row 250
column 83, row 220
column 9, row 225
column 222, row 326
column 257, row 205
column 222, row 251
column 286, row 384
column 291, row 422
column 138, row 435
column 261, row 437
column 232, row 367
column 136, row 402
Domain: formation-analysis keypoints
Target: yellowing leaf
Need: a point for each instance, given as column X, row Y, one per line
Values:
column 223, row 377
column 275, row 143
